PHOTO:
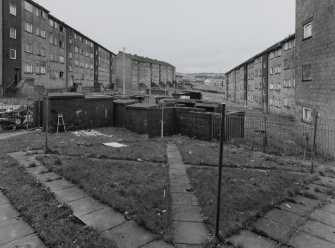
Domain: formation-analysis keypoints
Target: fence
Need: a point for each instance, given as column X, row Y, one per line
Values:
column 278, row 135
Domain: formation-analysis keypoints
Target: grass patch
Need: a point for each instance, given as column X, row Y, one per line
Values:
column 207, row 153
column 246, row 195
column 53, row 223
column 135, row 189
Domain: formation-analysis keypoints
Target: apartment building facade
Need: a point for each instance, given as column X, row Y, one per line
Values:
column 267, row 80
column 42, row 52
column 142, row 73
column 315, row 57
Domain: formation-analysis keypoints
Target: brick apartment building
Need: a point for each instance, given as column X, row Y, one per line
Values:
column 141, row 73
column 38, row 51
column 315, row 57
column 298, row 74
column 267, row 80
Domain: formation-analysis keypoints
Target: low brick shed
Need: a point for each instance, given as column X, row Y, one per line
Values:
column 80, row 112
column 147, row 118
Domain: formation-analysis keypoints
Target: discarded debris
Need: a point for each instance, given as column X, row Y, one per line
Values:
column 90, row 133
column 287, row 205
column 114, row 145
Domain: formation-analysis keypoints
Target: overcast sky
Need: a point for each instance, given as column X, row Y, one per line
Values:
column 193, row 35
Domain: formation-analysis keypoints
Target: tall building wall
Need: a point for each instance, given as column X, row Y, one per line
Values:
column 11, row 47
column 104, row 67
column 1, row 49
column 315, row 55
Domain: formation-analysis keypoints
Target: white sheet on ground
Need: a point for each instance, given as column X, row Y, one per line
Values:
column 85, row 133
column 115, row 145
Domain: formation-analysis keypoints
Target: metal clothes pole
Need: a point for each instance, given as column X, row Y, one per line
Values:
column 46, row 121
column 162, row 124
column 314, row 140
column 222, row 139
column 124, row 73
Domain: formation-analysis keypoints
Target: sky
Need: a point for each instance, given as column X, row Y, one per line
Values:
column 193, row 35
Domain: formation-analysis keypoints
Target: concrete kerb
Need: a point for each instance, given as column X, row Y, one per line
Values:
column 126, row 234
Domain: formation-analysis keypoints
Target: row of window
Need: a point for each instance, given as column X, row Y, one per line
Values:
column 275, row 70
column 82, row 52
column 83, row 65
column 83, row 40
column 39, row 69
column 82, row 76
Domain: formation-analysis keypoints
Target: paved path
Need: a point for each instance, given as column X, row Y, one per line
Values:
column 112, row 224
column 14, row 232
column 302, row 223
column 188, row 227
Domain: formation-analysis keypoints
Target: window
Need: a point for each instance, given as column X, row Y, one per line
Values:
column 287, row 64
column 28, row 48
column 61, row 75
column 41, row 13
column 40, row 69
column 70, row 40
column 51, row 23
column 70, row 55
column 12, row 54
column 61, row 44
column 53, row 74
column 28, row 7
column 76, row 49
column 51, row 39
column 307, row 73
column 61, row 28
column 61, row 59
column 56, row 42
column 307, row 114
column 28, row 27
column 70, row 68
column 12, row 33
column 43, row 34
column 308, row 30
column 41, row 52
column 12, row 9
column 28, row 68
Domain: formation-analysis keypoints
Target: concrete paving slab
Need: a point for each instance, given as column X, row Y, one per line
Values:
column 59, row 185
column 129, row 235
column 286, row 218
column 12, row 230
column 326, row 181
column 299, row 209
column 157, row 244
column 31, row 241
column 37, row 170
column 323, row 217
column 181, row 188
column 7, row 212
column 70, row 194
column 319, row 230
column 48, row 177
column 251, row 240
column 85, row 206
column 191, row 246
column 180, row 179
column 304, row 240
column 317, row 195
column 186, row 213
column 274, row 230
column 184, row 199
column 3, row 199
column 103, row 219
column 189, row 233
column 307, row 201
column 330, row 208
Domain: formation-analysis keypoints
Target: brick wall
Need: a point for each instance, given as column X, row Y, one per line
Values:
column 154, row 122
column 317, row 51
column 120, row 111
column 80, row 112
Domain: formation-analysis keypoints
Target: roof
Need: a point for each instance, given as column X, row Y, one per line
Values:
column 142, row 106
column 66, row 25
column 147, row 60
column 271, row 48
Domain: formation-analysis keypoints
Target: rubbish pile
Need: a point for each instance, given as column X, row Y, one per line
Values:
column 14, row 117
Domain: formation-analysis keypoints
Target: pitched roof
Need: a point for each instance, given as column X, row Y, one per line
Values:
column 271, row 48
column 147, row 60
